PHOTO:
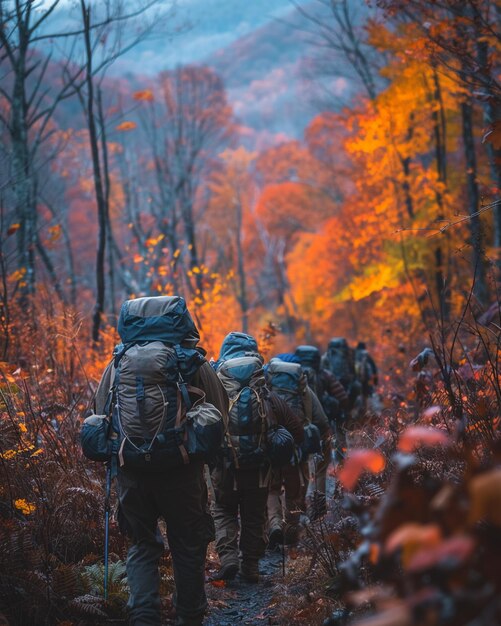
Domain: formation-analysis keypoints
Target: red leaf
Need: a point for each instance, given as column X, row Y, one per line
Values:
column 458, row 548
column 416, row 436
column 357, row 462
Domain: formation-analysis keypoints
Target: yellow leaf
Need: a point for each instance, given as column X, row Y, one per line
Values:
column 24, row 506
column 17, row 275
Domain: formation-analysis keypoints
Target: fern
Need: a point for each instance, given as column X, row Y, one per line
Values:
column 88, row 605
column 93, row 579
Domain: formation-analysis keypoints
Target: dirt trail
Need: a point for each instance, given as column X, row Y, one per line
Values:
column 243, row 603
column 240, row 603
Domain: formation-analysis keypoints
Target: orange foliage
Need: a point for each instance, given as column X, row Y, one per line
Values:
column 143, row 96
column 357, row 462
column 127, row 125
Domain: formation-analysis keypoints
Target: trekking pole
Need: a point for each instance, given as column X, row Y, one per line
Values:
column 107, row 529
column 283, row 550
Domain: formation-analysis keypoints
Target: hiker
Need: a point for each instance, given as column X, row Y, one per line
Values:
column 334, row 400
column 365, row 370
column 241, row 475
column 149, row 385
column 339, row 359
column 286, row 378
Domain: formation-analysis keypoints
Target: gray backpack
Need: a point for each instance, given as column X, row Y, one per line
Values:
column 288, row 380
column 243, row 379
column 158, row 419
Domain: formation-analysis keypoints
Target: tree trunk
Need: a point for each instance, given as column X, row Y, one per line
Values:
column 107, row 186
column 189, row 229
column 98, row 183
column 23, row 176
column 242, row 296
column 480, row 285
column 492, row 113
column 439, row 132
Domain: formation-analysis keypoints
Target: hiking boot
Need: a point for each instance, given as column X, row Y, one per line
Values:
column 249, row 570
column 226, row 572
column 291, row 535
column 275, row 537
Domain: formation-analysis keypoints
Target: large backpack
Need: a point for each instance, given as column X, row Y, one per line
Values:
column 338, row 360
column 155, row 412
column 243, row 379
column 236, row 344
column 363, row 367
column 309, row 357
column 289, row 381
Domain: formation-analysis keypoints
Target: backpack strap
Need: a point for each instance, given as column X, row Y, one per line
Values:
column 263, row 414
column 180, row 419
column 112, row 436
column 119, row 354
column 184, row 404
column 308, row 404
column 108, row 406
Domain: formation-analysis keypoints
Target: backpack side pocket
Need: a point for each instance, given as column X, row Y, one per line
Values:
column 95, row 438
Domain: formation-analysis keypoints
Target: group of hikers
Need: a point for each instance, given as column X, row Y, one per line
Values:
column 173, row 427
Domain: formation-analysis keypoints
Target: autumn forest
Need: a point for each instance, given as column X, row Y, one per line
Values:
column 376, row 217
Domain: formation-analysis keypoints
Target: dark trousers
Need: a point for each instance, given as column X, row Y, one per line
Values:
column 287, row 507
column 180, row 497
column 239, row 495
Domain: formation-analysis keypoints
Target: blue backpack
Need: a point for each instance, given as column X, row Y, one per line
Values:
column 254, row 439
column 288, row 380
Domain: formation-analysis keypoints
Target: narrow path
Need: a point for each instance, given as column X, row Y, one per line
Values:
column 239, row 603
column 243, row 603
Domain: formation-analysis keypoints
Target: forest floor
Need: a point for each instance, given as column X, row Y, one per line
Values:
column 285, row 586
column 239, row 602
